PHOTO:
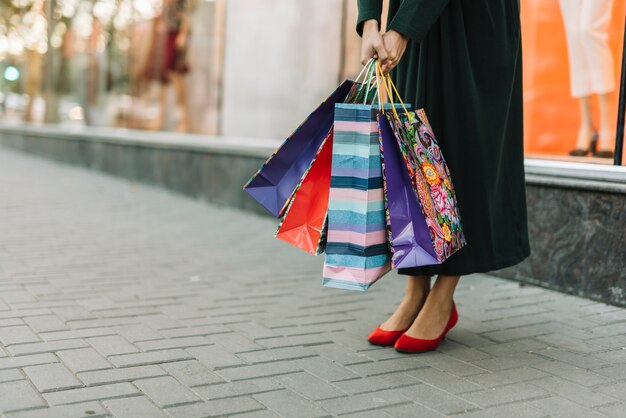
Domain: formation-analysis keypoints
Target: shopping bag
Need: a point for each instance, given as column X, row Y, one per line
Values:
column 304, row 222
column 430, row 232
column 409, row 236
column 274, row 183
column 357, row 253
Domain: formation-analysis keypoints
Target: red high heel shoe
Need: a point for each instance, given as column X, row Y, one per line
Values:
column 406, row 344
column 383, row 337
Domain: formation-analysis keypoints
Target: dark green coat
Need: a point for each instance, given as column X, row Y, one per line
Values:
column 463, row 65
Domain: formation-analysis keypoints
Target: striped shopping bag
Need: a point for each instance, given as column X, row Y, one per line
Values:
column 357, row 252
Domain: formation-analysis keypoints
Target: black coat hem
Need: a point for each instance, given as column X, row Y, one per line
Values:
column 476, row 268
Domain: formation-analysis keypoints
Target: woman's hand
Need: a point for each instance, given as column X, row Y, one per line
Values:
column 394, row 43
column 372, row 45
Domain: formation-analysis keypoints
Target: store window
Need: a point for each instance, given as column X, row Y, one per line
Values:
column 116, row 63
column 572, row 62
column 198, row 66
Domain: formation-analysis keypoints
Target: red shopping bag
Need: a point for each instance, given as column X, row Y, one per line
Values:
column 304, row 222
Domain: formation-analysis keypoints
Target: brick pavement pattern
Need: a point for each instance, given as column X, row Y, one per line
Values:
column 124, row 300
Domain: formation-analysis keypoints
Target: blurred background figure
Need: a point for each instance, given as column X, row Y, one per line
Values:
column 167, row 61
column 591, row 71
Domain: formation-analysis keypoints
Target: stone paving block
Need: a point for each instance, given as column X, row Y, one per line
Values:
column 518, row 333
column 137, row 332
column 310, row 387
column 46, row 323
column 238, row 388
column 289, row 404
column 166, row 391
column 617, row 372
column 374, row 383
column 31, row 360
column 18, row 395
column 575, row 374
column 518, row 410
column 509, row 361
column 451, row 365
column 218, row 407
column 502, row 394
column 388, row 366
column 215, row 357
column 572, row 343
column 613, row 410
column 164, row 344
column 81, row 410
column 17, row 297
column 327, row 369
column 10, row 375
column 94, row 393
column 235, row 343
column 11, row 322
column 276, row 354
column 259, row 370
column 19, row 334
column 153, row 357
column 125, row 374
column 613, row 356
column 576, row 393
column 135, row 407
column 615, row 390
column 507, row 376
column 191, row 373
column 365, row 402
column 578, row 360
column 443, row 380
column 266, row 413
column 49, row 377
column 411, row 410
column 75, row 334
column 112, row 345
column 83, row 360
column 340, row 354
column 72, row 313
column 23, row 313
column 513, row 347
column 199, row 331
column 306, row 340
column 46, row 347
column 562, row 408
column 253, row 330
column 437, row 399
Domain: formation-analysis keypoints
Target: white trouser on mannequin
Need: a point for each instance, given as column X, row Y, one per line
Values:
column 590, row 58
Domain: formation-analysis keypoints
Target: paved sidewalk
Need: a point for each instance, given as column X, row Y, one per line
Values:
column 118, row 299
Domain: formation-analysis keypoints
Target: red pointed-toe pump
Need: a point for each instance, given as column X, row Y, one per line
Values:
column 406, row 344
column 383, row 337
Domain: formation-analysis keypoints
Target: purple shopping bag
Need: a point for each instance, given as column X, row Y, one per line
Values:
column 274, row 183
column 408, row 235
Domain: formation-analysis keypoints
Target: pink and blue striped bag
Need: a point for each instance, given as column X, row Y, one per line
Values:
column 357, row 251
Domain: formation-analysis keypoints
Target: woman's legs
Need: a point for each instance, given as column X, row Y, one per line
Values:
column 417, row 289
column 434, row 315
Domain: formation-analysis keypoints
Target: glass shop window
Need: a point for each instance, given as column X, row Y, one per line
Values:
column 572, row 63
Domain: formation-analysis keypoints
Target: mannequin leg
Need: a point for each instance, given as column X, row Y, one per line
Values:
column 579, row 71
column 607, row 128
column 586, row 130
column 181, row 98
column 594, row 24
